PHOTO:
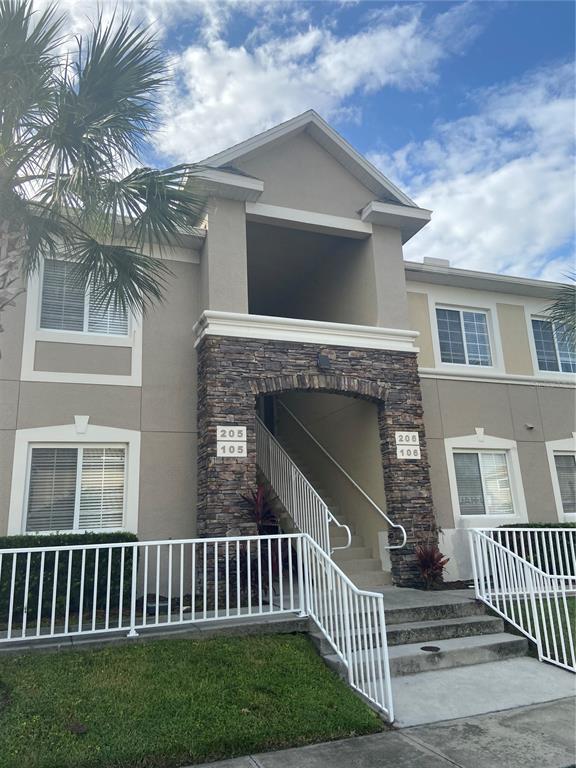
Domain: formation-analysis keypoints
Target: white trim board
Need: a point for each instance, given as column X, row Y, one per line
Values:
column 568, row 445
column 408, row 220
column 330, row 140
column 214, row 323
column 73, row 435
column 481, row 442
column 489, row 377
column 296, row 218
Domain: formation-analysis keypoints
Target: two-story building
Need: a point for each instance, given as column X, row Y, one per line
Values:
column 419, row 394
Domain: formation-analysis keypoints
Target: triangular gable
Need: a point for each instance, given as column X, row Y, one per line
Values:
column 311, row 123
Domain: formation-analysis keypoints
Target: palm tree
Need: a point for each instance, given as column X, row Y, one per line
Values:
column 562, row 311
column 71, row 128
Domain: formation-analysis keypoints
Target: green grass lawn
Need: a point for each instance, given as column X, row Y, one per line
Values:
column 556, row 621
column 171, row 703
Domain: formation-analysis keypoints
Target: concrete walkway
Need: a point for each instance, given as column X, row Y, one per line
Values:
column 542, row 736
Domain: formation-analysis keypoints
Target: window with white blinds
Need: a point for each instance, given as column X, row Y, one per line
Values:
column 483, row 483
column 76, row 488
column 566, row 472
column 68, row 306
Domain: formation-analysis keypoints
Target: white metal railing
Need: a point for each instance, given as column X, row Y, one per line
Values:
column 87, row 590
column 535, row 601
column 340, row 468
column 352, row 620
column 48, row 592
column 552, row 550
column 308, row 510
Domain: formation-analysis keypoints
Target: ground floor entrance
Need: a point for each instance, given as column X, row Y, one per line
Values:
column 377, row 394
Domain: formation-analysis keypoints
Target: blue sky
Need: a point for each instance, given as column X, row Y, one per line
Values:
column 468, row 106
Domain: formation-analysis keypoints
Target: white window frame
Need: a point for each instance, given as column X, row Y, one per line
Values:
column 534, row 351
column 77, row 435
column 33, row 334
column 461, row 309
column 84, row 332
column 554, row 448
column 480, row 442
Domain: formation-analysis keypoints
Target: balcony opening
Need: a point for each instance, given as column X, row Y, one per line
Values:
column 307, row 275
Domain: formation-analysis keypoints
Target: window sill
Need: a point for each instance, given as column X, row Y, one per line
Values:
column 88, row 339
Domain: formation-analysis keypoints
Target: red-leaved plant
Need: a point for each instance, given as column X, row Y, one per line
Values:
column 431, row 563
column 261, row 503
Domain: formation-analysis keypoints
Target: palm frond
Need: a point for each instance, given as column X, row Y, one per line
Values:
column 151, row 205
column 562, row 311
column 121, row 276
column 28, row 48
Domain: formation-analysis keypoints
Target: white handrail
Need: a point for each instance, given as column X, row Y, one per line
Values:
column 349, row 478
column 308, row 510
column 353, row 622
column 534, row 601
column 57, row 592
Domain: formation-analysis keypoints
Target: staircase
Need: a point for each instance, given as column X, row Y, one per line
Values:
column 443, row 636
column 356, row 561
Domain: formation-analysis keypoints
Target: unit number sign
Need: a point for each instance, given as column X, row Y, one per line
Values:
column 407, row 445
column 231, row 442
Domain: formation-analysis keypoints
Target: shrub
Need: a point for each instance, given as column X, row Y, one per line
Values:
column 431, row 563
column 30, row 570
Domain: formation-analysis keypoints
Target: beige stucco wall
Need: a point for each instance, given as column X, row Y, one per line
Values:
column 419, row 319
column 82, row 358
column 456, row 408
column 348, row 429
column 164, row 408
column 223, row 268
column 514, row 337
column 299, row 173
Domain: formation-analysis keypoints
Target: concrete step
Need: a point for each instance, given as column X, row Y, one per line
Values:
column 443, row 629
column 421, row 633
column 352, row 553
column 369, row 580
column 410, row 659
column 339, row 539
column 434, row 612
column 357, row 565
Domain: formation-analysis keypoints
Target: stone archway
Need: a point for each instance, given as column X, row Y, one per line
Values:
column 234, row 371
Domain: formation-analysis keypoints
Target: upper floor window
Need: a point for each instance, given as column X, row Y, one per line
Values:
column 68, row 305
column 554, row 350
column 483, row 482
column 463, row 336
column 75, row 489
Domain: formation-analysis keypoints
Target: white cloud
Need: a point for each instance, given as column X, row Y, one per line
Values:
column 501, row 181
column 224, row 93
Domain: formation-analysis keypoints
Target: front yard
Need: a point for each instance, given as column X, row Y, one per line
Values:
column 170, row 703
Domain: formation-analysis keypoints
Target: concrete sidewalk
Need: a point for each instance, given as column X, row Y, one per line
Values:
column 541, row 736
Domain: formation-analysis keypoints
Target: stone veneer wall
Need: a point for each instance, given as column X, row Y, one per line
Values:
column 232, row 372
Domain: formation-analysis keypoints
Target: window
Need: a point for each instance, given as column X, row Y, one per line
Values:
column 76, row 488
column 554, row 350
column 67, row 305
column 463, row 336
column 483, row 483
column 566, row 472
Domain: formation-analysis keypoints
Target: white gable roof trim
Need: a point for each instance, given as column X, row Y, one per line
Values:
column 330, row 140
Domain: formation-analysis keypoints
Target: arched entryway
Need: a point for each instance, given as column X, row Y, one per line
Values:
column 233, row 372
